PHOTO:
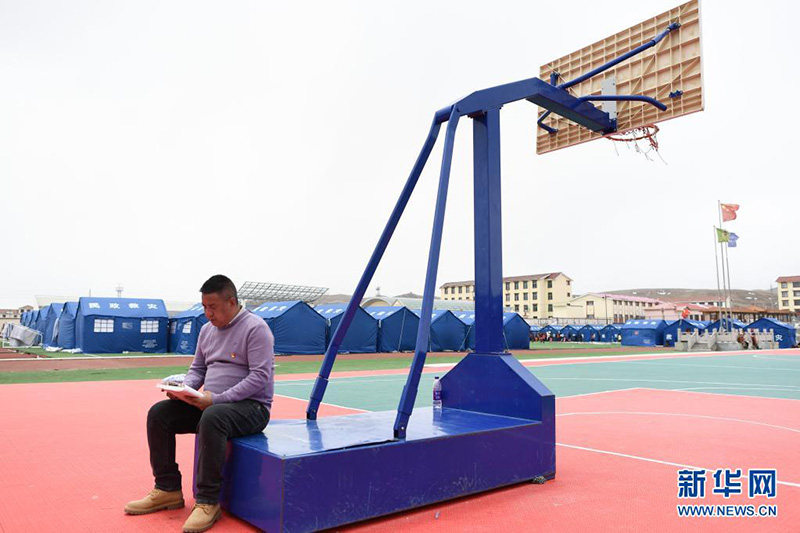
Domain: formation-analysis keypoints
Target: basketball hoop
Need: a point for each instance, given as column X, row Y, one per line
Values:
column 646, row 134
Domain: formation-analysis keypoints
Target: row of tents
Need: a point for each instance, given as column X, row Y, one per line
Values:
column 116, row 325
column 663, row 333
column 579, row 333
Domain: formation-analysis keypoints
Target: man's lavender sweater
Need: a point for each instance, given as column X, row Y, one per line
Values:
column 235, row 362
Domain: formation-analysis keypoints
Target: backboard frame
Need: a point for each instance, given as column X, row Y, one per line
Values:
column 669, row 72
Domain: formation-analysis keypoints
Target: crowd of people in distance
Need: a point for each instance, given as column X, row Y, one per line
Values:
column 548, row 336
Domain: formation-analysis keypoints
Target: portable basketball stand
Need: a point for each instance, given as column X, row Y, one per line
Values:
column 497, row 426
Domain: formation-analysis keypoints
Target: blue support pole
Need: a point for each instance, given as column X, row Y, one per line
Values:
column 321, row 382
column 488, row 234
column 638, row 50
column 406, row 405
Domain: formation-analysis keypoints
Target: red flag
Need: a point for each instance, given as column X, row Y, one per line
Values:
column 729, row 211
column 685, row 313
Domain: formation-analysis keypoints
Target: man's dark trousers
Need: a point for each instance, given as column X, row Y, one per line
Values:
column 214, row 427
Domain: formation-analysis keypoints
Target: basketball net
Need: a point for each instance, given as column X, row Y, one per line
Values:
column 642, row 140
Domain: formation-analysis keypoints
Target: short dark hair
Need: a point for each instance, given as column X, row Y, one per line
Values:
column 220, row 284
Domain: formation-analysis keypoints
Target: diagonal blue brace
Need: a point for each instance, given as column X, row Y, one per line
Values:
column 321, row 382
column 421, row 350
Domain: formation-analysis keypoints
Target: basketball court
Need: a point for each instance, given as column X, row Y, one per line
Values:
column 626, row 426
column 630, row 428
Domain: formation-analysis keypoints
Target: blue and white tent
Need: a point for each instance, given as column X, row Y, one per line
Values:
column 448, row 333
column 23, row 320
column 643, row 332
column 468, row 318
column 729, row 324
column 362, row 336
column 65, row 334
column 397, row 328
column 610, row 333
column 53, row 313
column 589, row 333
column 184, row 328
column 115, row 325
column 297, row 328
column 41, row 320
column 785, row 334
column 671, row 330
column 570, row 332
column 536, row 329
column 552, row 329
column 33, row 318
column 516, row 332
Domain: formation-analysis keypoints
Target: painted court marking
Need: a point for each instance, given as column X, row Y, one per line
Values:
column 722, row 367
column 324, row 403
column 668, row 381
column 652, row 413
column 658, row 461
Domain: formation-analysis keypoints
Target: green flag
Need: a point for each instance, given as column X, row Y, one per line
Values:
column 722, row 235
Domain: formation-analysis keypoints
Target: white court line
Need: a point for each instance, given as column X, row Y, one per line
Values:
column 324, row 403
column 600, row 392
column 723, row 394
column 776, row 388
column 603, row 358
column 657, row 461
column 648, row 413
column 668, row 381
column 785, row 359
column 722, row 367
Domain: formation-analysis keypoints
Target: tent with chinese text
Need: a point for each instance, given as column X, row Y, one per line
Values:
column 116, row 325
column 684, row 325
column 785, row 334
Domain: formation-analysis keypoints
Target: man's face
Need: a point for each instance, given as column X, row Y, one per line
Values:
column 218, row 309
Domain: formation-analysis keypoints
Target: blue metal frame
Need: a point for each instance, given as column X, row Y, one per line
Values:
column 602, row 68
column 497, row 423
column 484, row 107
column 321, row 382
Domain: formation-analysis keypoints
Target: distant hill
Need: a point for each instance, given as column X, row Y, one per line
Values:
column 740, row 297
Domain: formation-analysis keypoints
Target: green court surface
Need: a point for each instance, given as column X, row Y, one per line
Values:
column 773, row 376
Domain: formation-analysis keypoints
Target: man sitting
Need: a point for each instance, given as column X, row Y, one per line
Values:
column 234, row 362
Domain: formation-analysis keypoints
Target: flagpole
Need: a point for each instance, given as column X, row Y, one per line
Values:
column 725, row 291
column 728, row 268
column 716, row 269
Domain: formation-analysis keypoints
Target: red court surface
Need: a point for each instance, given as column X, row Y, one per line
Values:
column 72, row 454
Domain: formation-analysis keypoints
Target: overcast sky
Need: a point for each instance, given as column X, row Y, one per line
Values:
column 156, row 143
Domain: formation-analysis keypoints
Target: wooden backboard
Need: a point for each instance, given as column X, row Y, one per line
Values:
column 673, row 66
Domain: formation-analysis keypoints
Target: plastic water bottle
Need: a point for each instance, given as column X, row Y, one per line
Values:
column 437, row 393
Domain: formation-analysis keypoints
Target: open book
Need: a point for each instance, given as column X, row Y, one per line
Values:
column 174, row 384
column 180, row 390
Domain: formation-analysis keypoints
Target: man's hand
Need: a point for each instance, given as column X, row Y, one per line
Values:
column 200, row 403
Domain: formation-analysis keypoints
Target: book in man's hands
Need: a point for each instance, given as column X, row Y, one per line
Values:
column 174, row 384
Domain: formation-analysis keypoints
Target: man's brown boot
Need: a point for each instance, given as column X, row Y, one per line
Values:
column 155, row 501
column 202, row 518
